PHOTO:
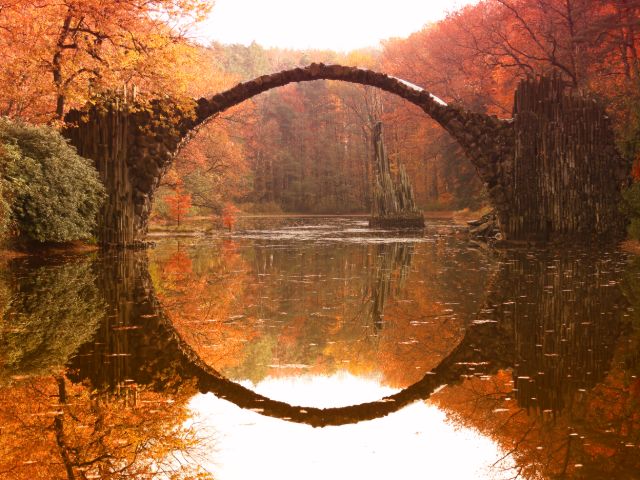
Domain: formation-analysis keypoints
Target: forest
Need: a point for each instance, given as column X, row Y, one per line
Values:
column 190, row 279
column 307, row 148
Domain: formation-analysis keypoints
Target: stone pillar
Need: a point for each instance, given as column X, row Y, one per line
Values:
column 132, row 144
column 567, row 176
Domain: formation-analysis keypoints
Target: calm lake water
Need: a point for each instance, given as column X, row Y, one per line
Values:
column 316, row 348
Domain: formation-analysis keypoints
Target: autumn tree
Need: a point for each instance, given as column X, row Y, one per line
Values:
column 61, row 52
column 229, row 216
column 179, row 204
column 212, row 167
column 593, row 45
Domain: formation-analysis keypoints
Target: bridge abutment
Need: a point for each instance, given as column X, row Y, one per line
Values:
column 132, row 143
column 567, row 175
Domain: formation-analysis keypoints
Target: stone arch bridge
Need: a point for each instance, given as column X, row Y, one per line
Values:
column 552, row 171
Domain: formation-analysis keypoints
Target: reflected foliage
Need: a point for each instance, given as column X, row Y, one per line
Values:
column 48, row 312
column 567, row 406
column 55, row 429
column 111, row 427
column 259, row 307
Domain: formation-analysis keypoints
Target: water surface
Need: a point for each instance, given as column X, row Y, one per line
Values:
column 316, row 347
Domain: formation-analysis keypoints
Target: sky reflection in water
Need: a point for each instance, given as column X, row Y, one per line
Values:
column 415, row 442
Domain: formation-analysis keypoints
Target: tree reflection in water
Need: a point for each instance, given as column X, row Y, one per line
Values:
column 263, row 309
column 565, row 406
column 52, row 427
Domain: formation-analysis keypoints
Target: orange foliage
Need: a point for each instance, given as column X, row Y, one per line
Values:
column 248, row 309
column 202, row 294
column 229, row 215
column 596, row 438
column 56, row 53
column 179, row 204
column 52, row 428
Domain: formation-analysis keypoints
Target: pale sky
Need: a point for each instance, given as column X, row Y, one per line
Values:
column 341, row 25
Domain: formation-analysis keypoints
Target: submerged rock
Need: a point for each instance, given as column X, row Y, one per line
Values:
column 485, row 228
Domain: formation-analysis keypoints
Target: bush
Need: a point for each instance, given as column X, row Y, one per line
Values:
column 53, row 194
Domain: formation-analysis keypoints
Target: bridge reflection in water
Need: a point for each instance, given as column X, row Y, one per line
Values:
column 542, row 370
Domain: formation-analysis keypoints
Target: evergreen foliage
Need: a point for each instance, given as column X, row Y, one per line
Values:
column 49, row 192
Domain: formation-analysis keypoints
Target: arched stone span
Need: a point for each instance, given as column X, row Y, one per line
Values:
column 482, row 137
column 551, row 172
column 487, row 141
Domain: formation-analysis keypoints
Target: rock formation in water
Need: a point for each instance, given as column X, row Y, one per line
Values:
column 393, row 202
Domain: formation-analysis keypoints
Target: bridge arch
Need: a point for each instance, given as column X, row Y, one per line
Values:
column 472, row 130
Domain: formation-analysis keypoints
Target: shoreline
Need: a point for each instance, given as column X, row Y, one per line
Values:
column 9, row 252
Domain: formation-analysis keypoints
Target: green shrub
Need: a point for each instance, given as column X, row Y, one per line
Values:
column 53, row 194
